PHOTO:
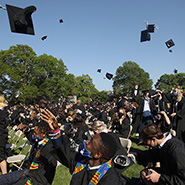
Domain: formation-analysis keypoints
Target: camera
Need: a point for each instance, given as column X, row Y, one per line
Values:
column 148, row 172
column 122, row 160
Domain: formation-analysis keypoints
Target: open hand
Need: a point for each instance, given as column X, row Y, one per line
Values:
column 50, row 119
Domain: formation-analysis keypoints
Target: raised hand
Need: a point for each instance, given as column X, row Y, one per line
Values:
column 48, row 117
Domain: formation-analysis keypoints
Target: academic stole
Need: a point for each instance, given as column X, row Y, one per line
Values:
column 34, row 165
column 99, row 173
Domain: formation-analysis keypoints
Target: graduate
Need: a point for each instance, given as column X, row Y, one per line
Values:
column 42, row 163
column 93, row 164
column 166, row 149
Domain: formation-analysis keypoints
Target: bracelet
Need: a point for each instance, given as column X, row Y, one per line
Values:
column 54, row 134
column 56, row 131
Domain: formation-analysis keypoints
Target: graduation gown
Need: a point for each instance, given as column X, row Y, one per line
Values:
column 44, row 174
column 172, row 160
column 180, row 116
column 70, row 158
column 3, row 132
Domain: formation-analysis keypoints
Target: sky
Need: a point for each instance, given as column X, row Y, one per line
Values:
column 103, row 34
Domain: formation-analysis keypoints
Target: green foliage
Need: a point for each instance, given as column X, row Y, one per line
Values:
column 41, row 76
column 128, row 74
column 166, row 82
column 18, row 66
column 31, row 75
column 46, row 76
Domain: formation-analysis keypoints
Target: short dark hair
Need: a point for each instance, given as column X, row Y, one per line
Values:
column 78, row 121
column 151, row 131
column 43, row 127
column 108, row 146
column 43, row 103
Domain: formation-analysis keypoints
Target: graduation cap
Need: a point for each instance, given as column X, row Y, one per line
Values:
column 175, row 71
column 20, row 19
column 99, row 70
column 169, row 43
column 44, row 37
column 150, row 28
column 145, row 36
column 61, row 21
column 109, row 76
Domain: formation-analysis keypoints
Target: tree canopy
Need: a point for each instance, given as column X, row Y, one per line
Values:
column 33, row 77
column 129, row 74
column 41, row 76
column 166, row 82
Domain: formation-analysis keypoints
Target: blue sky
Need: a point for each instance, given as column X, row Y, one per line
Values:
column 103, row 34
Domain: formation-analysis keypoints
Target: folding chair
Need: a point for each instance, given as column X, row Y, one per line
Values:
column 19, row 159
column 14, row 141
column 126, row 143
column 12, row 130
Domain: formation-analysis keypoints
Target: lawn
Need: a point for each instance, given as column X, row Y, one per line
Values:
column 62, row 176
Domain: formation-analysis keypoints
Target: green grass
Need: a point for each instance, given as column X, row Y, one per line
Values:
column 63, row 177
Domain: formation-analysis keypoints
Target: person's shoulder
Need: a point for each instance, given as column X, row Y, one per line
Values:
column 175, row 144
column 112, row 177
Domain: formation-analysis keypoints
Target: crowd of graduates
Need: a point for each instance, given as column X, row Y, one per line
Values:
column 86, row 137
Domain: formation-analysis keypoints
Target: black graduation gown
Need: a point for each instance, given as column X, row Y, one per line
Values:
column 181, row 120
column 70, row 158
column 122, row 129
column 180, row 116
column 3, row 132
column 103, row 117
column 44, row 175
column 172, row 160
column 84, row 177
column 82, row 134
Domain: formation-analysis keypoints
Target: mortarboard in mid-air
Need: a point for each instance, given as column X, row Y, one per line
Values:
column 20, row 19
column 109, row 76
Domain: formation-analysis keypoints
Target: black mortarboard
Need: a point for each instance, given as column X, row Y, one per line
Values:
column 99, row 70
column 61, row 21
column 44, row 37
column 20, row 19
column 150, row 28
column 169, row 43
column 109, row 76
column 175, row 71
column 145, row 36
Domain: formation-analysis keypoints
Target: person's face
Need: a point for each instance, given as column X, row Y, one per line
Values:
column 151, row 142
column 37, row 133
column 93, row 145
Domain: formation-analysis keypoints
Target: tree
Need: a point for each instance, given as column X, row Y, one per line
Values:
column 166, row 82
column 41, row 76
column 17, row 68
column 33, row 76
column 128, row 74
column 49, row 76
